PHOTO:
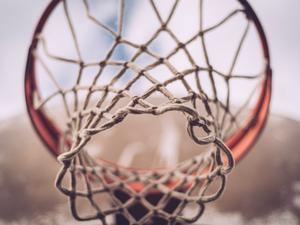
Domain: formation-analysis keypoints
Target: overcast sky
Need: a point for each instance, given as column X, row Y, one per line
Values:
column 281, row 20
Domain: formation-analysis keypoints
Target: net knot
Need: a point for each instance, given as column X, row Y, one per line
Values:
column 118, row 39
column 102, row 63
column 143, row 48
column 163, row 27
column 201, row 123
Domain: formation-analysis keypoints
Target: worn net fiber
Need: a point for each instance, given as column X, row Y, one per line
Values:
column 109, row 189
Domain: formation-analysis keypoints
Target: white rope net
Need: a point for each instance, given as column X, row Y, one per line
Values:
column 193, row 182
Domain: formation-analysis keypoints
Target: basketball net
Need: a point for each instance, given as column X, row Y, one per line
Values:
column 192, row 183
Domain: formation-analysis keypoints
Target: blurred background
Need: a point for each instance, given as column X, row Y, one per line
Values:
column 271, row 192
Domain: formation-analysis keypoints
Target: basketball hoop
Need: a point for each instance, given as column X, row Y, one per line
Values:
column 146, row 196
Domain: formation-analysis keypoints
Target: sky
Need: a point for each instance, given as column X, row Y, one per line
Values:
column 279, row 18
